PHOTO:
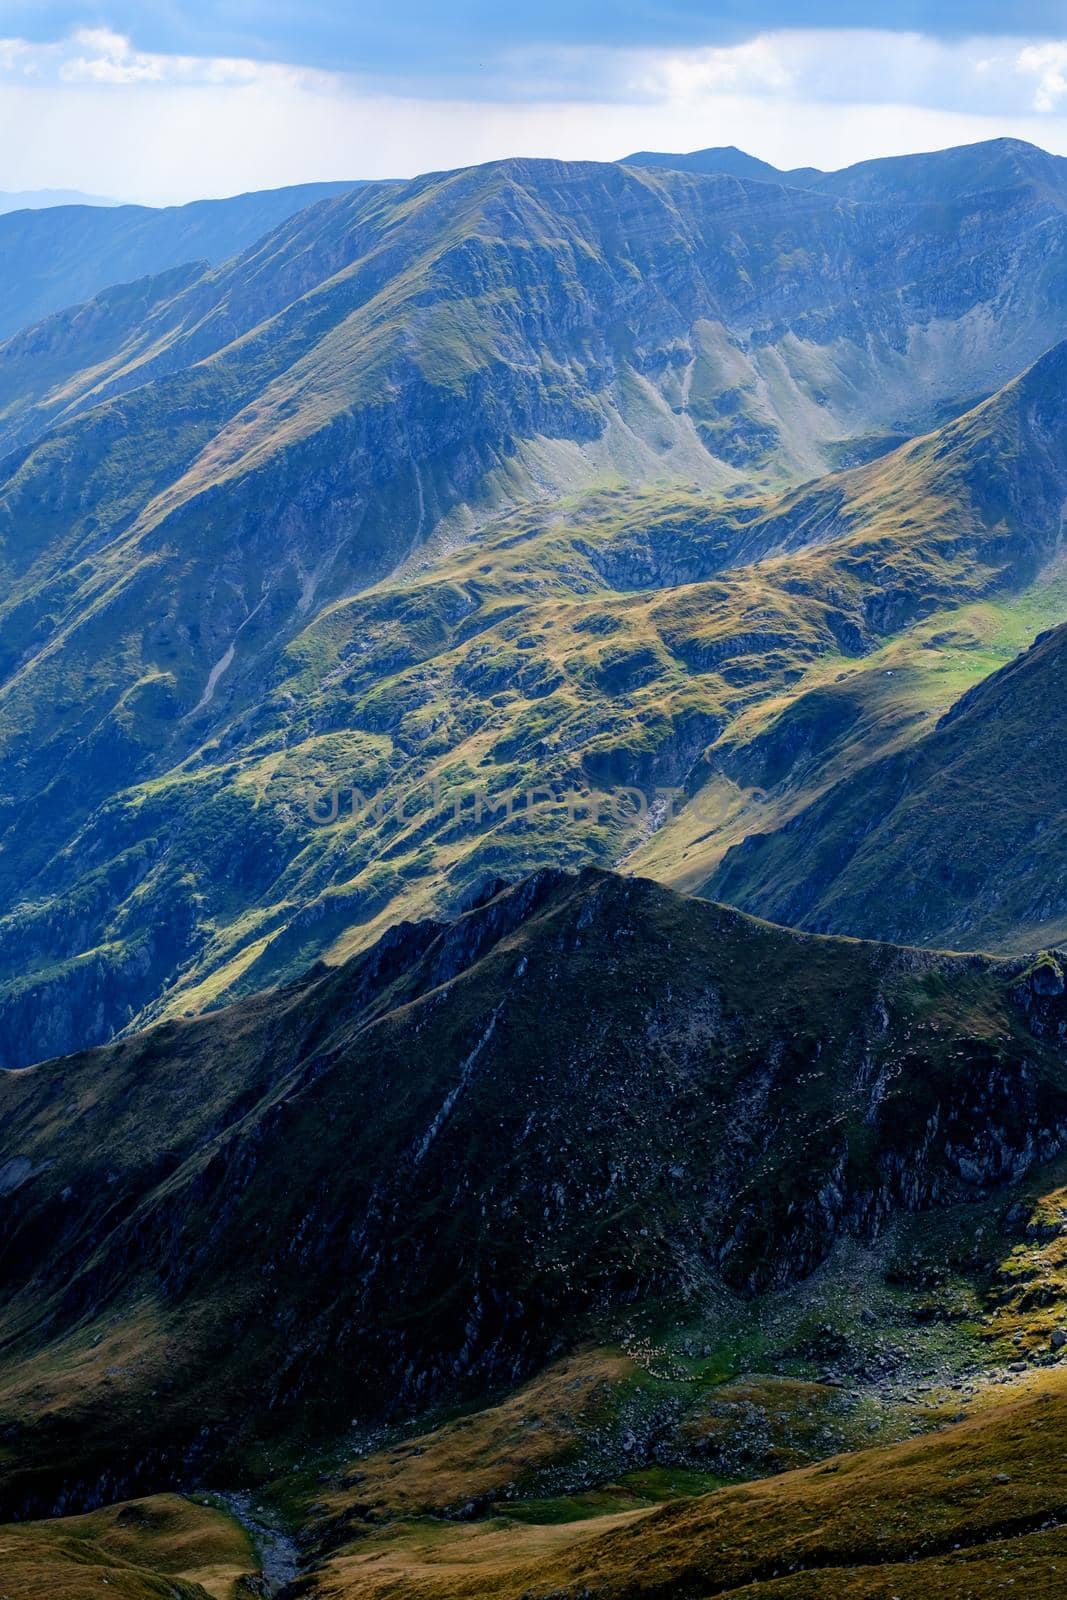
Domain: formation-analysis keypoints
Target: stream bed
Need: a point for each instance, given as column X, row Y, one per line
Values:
column 276, row 1550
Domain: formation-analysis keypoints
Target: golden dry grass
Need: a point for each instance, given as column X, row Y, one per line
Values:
column 963, row 1514
column 161, row 1546
column 477, row 1457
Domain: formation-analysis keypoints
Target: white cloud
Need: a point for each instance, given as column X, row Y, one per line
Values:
column 1048, row 63
column 763, row 64
column 102, row 57
column 17, row 56
column 110, row 60
column 846, row 66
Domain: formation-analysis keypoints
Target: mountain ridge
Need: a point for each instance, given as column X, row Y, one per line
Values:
column 393, row 1094
column 936, row 175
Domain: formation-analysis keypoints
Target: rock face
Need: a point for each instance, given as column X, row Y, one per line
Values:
column 582, row 1093
column 959, row 840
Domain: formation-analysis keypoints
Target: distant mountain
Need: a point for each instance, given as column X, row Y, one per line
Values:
column 38, row 199
column 66, row 252
column 959, row 840
column 724, row 158
column 996, row 168
column 583, row 1095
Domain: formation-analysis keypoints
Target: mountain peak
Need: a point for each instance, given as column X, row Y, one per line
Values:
column 963, row 171
column 726, row 159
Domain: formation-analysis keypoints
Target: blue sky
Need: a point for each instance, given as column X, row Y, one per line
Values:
column 167, row 100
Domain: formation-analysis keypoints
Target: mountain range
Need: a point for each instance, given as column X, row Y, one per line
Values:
column 246, row 509
column 514, row 684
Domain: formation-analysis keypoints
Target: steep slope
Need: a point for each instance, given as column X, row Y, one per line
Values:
column 959, row 840
column 419, row 1175
column 59, row 254
column 930, row 559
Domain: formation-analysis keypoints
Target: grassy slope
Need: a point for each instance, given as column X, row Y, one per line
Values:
column 965, row 826
column 958, row 1514
column 842, row 714
column 163, row 1548
column 576, row 652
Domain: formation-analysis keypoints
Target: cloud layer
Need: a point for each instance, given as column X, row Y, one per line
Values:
column 92, row 110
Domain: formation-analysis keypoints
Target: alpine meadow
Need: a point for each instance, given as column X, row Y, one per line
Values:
column 533, row 803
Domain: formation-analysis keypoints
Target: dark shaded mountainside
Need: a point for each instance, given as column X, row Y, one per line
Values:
column 214, row 480
column 425, row 1172
column 56, row 255
column 958, row 841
